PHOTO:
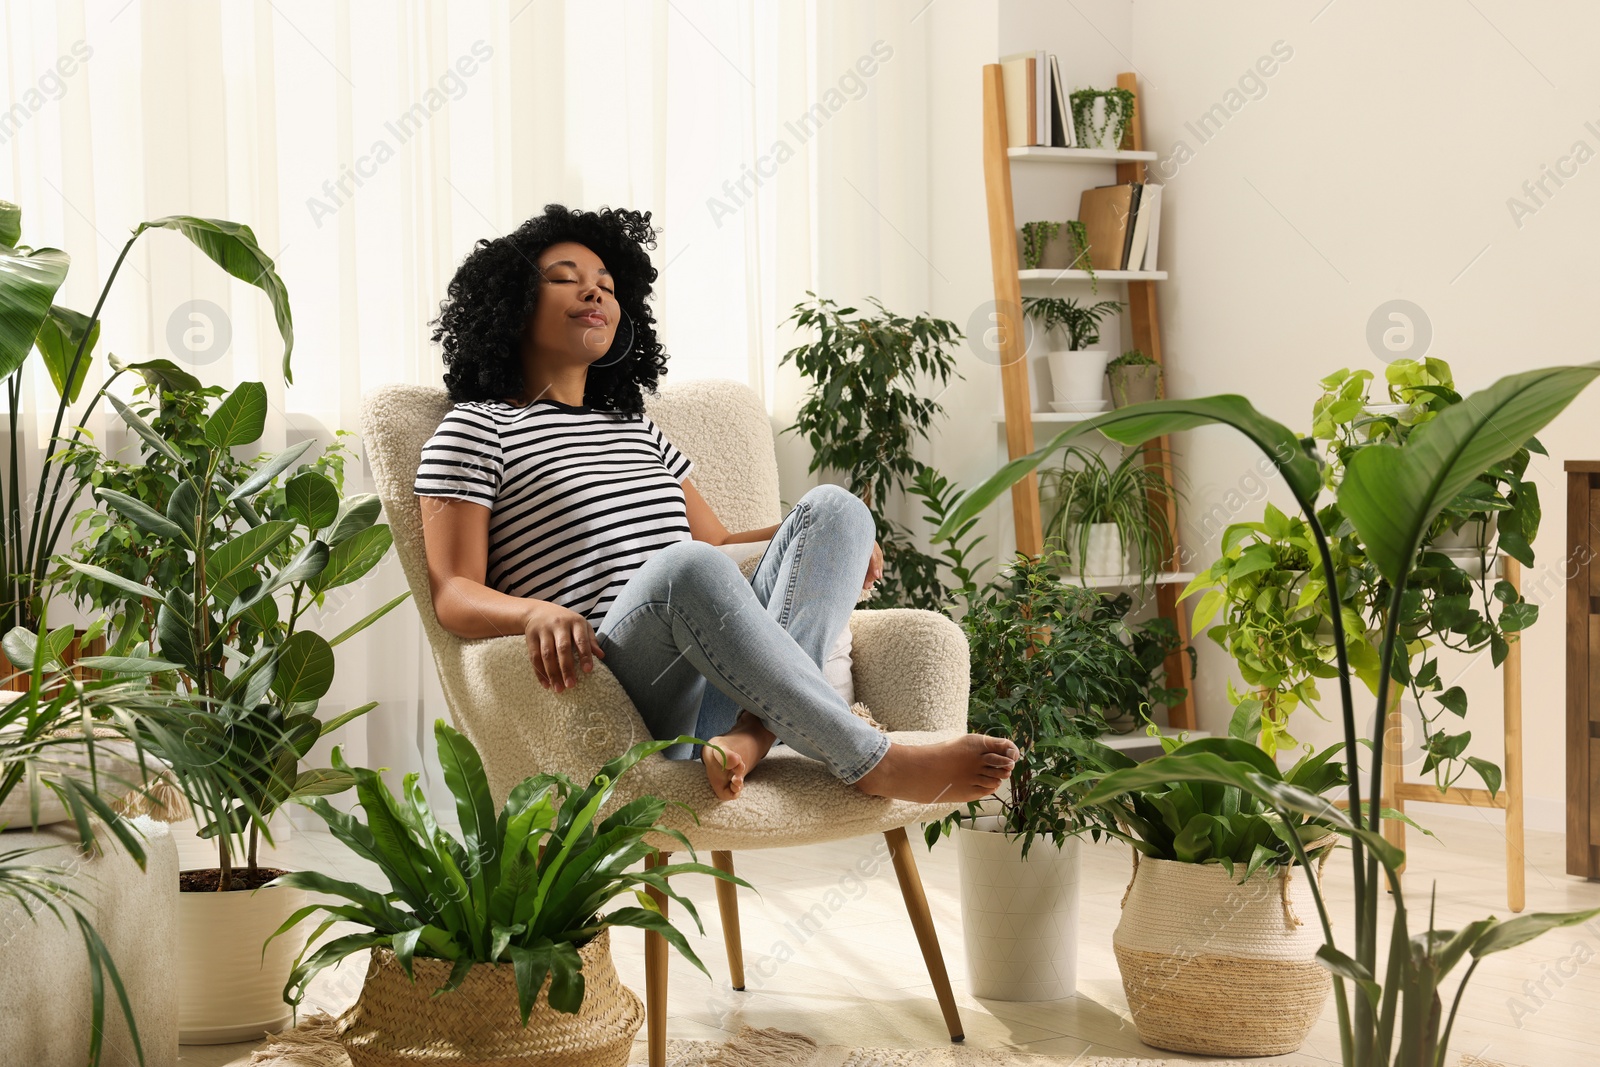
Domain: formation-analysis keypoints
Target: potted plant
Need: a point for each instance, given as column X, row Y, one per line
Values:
column 1055, row 246
column 1077, row 371
column 471, row 928
column 1046, row 662
column 1101, row 116
column 1135, row 378
column 1215, row 954
column 237, row 552
column 1391, row 497
column 863, row 413
column 1109, row 520
column 91, row 751
column 65, row 339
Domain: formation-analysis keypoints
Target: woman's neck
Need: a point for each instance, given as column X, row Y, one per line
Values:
column 564, row 386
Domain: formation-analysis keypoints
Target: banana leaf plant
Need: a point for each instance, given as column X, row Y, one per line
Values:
column 523, row 886
column 30, row 278
column 1390, row 1011
column 85, row 742
column 229, row 624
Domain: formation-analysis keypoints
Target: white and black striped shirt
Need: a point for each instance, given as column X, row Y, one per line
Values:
column 578, row 498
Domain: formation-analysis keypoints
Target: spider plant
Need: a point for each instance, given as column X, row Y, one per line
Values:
column 1390, row 1011
column 523, row 887
column 1086, row 490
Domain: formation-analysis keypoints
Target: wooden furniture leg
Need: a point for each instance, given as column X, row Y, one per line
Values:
column 1511, row 676
column 905, row 869
column 728, row 905
column 655, row 975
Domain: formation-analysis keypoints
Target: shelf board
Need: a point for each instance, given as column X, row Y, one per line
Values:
column 1040, row 154
column 1053, row 276
column 1060, row 416
column 1140, row 739
column 1127, row 581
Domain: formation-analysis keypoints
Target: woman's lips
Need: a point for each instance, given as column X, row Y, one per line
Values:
column 595, row 319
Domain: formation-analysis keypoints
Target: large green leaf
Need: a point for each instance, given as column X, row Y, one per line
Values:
column 10, row 224
column 229, row 567
column 354, row 557
column 240, row 418
column 1138, row 423
column 311, row 498
column 355, row 514
column 1525, row 928
column 467, row 781
column 1392, row 495
column 144, row 516
column 372, row 617
column 146, row 431
column 160, row 373
column 58, row 340
column 262, row 475
column 305, row 667
column 28, row 285
column 306, row 565
column 127, row 586
column 233, row 247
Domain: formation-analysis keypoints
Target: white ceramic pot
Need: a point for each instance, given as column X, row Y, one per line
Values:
column 1079, row 377
column 1019, row 917
column 227, row 990
column 1099, row 133
column 1106, row 557
column 1216, row 968
column 1469, row 546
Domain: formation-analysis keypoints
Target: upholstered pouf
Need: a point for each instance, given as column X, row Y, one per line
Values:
column 44, row 969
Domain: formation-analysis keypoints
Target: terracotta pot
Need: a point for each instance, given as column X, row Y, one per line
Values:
column 400, row 1023
column 1137, row 384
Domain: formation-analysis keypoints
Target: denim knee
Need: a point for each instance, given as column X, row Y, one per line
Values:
column 842, row 510
column 695, row 565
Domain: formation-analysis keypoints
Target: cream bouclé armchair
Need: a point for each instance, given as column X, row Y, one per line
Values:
column 909, row 667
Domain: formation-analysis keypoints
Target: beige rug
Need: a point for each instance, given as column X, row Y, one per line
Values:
column 311, row 1044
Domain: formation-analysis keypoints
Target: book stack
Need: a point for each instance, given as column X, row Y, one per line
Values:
column 1122, row 224
column 1036, row 102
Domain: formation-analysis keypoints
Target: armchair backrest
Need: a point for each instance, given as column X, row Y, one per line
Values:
column 721, row 425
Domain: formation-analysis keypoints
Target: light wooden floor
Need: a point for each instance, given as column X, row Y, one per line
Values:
column 859, row 980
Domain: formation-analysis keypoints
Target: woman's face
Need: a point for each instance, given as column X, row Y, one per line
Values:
column 575, row 316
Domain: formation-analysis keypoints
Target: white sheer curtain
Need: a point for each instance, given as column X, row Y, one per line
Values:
column 781, row 147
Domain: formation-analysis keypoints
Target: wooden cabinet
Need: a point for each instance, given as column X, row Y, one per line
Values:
column 1583, row 668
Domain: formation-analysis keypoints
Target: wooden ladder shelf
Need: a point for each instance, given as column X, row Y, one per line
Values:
column 1146, row 332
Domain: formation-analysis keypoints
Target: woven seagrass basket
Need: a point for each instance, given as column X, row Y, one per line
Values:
column 398, row 1023
column 1217, row 968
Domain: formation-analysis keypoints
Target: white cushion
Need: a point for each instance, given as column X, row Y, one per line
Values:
column 837, row 666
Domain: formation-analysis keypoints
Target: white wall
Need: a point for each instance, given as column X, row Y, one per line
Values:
column 1376, row 162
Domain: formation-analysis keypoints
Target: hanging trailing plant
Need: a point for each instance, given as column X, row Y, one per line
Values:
column 1035, row 235
column 1115, row 116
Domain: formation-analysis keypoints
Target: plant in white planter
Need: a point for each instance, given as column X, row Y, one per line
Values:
column 1046, row 662
column 1101, row 116
column 1214, row 945
column 1109, row 520
column 492, row 947
column 241, row 551
column 1077, row 370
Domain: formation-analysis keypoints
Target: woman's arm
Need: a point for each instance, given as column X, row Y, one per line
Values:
column 705, row 526
column 456, row 533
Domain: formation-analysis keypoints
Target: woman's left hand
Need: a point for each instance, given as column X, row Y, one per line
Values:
column 874, row 566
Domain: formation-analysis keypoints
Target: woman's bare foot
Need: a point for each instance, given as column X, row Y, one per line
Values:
column 744, row 745
column 957, row 770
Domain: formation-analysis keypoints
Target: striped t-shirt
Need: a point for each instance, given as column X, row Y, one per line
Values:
column 578, row 498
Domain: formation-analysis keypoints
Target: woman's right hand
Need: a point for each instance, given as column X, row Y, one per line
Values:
column 559, row 639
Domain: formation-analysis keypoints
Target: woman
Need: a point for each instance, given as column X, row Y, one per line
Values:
column 555, row 509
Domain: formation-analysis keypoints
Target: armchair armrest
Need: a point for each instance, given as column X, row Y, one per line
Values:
column 911, row 668
column 521, row 728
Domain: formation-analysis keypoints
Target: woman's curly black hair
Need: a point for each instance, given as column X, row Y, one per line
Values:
column 482, row 322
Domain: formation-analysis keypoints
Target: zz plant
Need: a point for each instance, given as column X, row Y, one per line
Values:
column 241, row 560
column 523, row 886
column 1390, row 1005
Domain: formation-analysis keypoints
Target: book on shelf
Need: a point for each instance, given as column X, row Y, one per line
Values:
column 1036, row 101
column 1122, row 223
column 1152, row 205
column 1106, row 212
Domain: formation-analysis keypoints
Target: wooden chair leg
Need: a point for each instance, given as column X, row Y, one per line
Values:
column 905, row 868
column 728, row 905
column 655, row 976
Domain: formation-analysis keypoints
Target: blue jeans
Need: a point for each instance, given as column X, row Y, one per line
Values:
column 688, row 616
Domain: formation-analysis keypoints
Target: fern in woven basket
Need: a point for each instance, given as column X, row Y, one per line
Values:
column 523, row 886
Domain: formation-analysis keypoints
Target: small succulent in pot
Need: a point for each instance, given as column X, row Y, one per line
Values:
column 1135, row 379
